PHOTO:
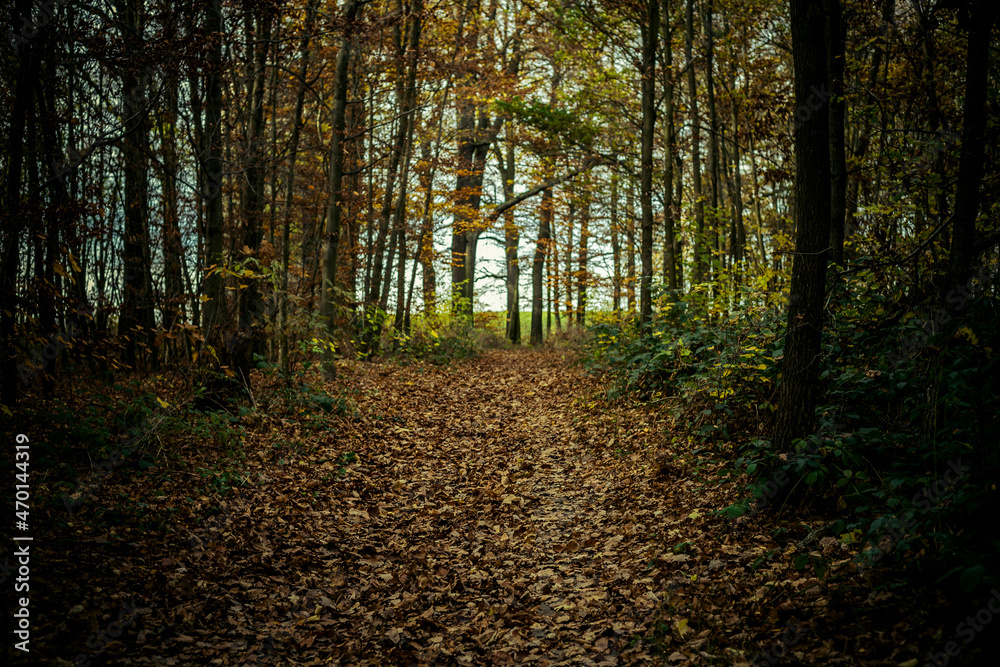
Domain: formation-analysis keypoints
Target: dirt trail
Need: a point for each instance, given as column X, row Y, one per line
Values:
column 490, row 512
column 491, row 518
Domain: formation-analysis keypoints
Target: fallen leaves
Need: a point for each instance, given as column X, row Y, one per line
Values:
column 496, row 512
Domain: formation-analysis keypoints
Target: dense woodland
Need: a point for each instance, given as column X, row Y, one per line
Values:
column 767, row 230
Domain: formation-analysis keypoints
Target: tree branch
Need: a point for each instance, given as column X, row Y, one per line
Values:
column 541, row 187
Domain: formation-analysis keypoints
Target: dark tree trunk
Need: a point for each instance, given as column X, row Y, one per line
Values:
column 250, row 315
column 135, row 296
column 583, row 277
column 700, row 259
column 538, row 267
column 616, row 248
column 512, row 239
column 670, row 210
column 293, row 151
column 334, row 213
column 214, row 312
column 838, row 163
column 973, row 159
column 799, row 384
column 650, row 35
column 12, row 220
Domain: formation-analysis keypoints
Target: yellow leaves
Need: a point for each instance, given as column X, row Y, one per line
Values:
column 682, row 627
column 163, row 403
column 58, row 268
column 852, row 537
column 965, row 333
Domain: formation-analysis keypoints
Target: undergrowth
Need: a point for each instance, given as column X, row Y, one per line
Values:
column 904, row 457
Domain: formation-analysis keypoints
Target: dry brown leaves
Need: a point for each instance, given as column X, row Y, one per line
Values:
column 494, row 512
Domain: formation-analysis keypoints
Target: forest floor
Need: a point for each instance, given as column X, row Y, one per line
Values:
column 495, row 511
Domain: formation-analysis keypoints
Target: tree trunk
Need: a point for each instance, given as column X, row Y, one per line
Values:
column 695, row 122
column 250, row 316
column 568, row 278
column 799, row 383
column 135, row 296
column 512, row 238
column 583, row 277
column 716, row 232
column 835, row 56
column 293, row 153
column 650, row 35
column 630, row 246
column 538, row 266
column 215, row 307
column 973, row 159
column 173, row 248
column 331, row 237
column 616, row 249
column 669, row 210
column 12, row 221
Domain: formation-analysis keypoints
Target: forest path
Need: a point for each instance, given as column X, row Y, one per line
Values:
column 495, row 511
column 496, row 515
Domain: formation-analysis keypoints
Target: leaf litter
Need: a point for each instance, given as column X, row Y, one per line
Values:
column 495, row 511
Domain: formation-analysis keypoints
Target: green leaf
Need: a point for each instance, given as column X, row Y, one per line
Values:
column 971, row 577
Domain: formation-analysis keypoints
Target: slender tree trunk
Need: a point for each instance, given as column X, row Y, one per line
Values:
column 582, row 275
column 293, row 154
column 249, row 337
column 616, row 249
column 334, row 214
column 555, row 276
column 835, row 56
column 670, row 210
column 173, row 248
column 650, row 35
column 512, row 239
column 568, row 278
column 716, row 232
column 135, row 296
column 538, row 266
column 972, row 163
column 630, row 245
column 799, row 384
column 426, row 249
column 215, row 307
column 13, row 222
column 700, row 259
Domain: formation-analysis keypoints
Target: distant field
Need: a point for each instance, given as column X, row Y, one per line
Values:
column 497, row 320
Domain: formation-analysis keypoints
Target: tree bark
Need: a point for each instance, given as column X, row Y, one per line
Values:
column 135, row 295
column 669, row 210
column 973, row 160
column 700, row 260
column 835, row 55
column 334, row 213
column 616, row 248
column 583, row 277
column 214, row 312
column 13, row 223
column 538, row 267
column 293, row 153
column 512, row 238
column 650, row 35
column 250, row 317
column 799, row 383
